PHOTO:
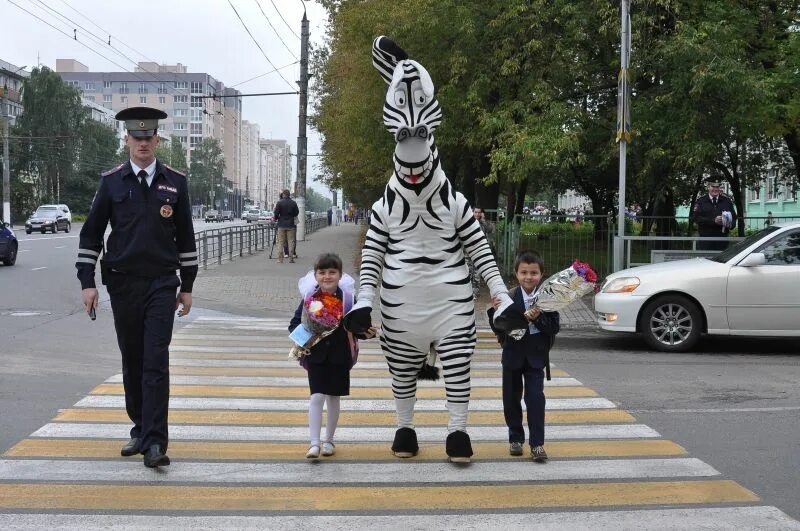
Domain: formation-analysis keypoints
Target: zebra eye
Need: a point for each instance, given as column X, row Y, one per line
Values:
column 419, row 97
column 400, row 98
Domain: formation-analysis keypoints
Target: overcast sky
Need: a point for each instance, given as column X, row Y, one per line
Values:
column 204, row 35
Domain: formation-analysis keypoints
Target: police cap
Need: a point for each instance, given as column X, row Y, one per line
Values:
column 713, row 181
column 141, row 122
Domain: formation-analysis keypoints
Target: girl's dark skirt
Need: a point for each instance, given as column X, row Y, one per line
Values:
column 329, row 379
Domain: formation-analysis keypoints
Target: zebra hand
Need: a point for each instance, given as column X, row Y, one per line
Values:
column 358, row 321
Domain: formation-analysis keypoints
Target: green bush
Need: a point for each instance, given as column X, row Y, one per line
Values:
column 78, row 217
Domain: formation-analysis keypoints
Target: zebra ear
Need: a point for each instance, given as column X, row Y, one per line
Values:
column 385, row 56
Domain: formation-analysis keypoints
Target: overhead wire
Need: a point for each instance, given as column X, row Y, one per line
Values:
column 275, row 30
column 264, row 74
column 283, row 19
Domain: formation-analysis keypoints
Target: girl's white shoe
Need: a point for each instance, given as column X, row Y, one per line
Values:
column 328, row 449
column 313, row 452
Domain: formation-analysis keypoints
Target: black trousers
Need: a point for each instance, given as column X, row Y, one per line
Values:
column 144, row 313
column 533, row 390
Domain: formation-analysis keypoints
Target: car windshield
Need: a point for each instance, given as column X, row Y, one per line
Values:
column 44, row 211
column 739, row 246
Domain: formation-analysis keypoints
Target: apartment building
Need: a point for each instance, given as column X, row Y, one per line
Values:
column 276, row 168
column 11, row 78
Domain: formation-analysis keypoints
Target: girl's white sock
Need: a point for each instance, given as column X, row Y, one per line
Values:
column 315, row 404
column 333, row 416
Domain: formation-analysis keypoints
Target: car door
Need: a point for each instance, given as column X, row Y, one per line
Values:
column 766, row 298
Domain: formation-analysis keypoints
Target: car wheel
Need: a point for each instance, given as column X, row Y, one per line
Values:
column 11, row 259
column 28, row 231
column 671, row 323
column 55, row 228
column 67, row 227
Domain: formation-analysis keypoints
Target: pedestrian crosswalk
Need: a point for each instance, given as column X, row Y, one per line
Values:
column 238, row 437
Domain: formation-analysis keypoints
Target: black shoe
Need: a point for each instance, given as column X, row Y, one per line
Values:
column 155, row 456
column 132, row 448
column 458, row 447
column 538, row 454
column 515, row 448
column 405, row 443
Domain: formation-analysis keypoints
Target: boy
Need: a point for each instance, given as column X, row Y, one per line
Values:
column 526, row 358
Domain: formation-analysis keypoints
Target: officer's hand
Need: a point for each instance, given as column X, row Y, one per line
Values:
column 718, row 220
column 184, row 300
column 90, row 298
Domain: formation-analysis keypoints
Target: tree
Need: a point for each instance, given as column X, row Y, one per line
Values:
column 316, row 202
column 205, row 179
column 173, row 155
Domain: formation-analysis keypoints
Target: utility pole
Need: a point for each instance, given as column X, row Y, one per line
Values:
column 623, row 129
column 301, row 132
column 6, row 161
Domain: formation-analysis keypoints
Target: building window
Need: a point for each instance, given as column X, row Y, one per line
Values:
column 197, row 101
column 107, row 98
column 123, row 88
column 142, row 99
column 90, row 98
column 790, row 192
column 162, row 100
column 197, row 115
column 142, row 88
column 194, row 141
column 180, row 84
column 197, row 87
column 771, row 188
column 197, row 129
column 754, row 193
column 181, row 99
column 183, row 140
column 123, row 99
column 162, row 88
column 106, row 84
column 180, row 126
column 88, row 86
column 180, row 112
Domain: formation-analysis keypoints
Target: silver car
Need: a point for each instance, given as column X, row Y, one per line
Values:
column 48, row 217
column 750, row 289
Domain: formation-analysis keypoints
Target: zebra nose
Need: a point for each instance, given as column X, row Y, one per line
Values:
column 405, row 132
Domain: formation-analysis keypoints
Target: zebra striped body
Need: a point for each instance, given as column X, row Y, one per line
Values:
column 415, row 248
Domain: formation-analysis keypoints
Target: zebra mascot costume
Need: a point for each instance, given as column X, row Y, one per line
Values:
column 418, row 234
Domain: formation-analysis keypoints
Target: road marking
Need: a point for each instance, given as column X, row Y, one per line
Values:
column 347, row 418
column 356, row 373
column 286, row 364
column 264, row 404
column 47, row 238
column 352, row 434
column 38, row 268
column 355, row 392
column 338, row 498
column 60, row 247
column 261, row 451
column 720, row 519
column 722, row 410
column 392, row 472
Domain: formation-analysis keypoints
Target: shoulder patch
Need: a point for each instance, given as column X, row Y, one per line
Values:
column 170, row 168
column 112, row 170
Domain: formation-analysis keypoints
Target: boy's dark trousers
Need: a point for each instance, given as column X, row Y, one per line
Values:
column 533, row 389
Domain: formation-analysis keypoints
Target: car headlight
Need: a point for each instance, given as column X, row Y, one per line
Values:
column 621, row 285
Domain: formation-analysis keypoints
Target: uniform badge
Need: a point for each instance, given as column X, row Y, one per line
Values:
column 166, row 211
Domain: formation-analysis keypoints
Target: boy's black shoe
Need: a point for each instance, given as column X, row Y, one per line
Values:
column 458, row 447
column 132, row 448
column 155, row 457
column 538, row 454
column 515, row 448
column 405, row 443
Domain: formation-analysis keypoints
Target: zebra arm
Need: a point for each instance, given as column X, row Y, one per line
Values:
column 372, row 256
column 476, row 246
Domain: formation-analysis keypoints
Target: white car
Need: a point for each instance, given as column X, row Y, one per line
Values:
column 750, row 289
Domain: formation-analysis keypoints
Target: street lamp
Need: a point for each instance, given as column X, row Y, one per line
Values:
column 6, row 159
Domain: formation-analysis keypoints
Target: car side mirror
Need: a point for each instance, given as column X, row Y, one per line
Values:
column 753, row 259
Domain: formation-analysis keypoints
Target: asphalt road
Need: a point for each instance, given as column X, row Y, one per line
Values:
column 735, row 403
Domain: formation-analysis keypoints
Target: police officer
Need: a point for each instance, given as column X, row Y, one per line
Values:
column 709, row 213
column 147, row 204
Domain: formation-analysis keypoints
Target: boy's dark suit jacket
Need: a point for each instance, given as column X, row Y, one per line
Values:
column 533, row 347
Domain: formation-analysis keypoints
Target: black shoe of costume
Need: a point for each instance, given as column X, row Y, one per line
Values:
column 132, row 448
column 155, row 457
column 405, row 443
column 458, row 447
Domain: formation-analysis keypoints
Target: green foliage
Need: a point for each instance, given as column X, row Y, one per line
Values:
column 316, row 202
column 205, row 179
column 173, row 155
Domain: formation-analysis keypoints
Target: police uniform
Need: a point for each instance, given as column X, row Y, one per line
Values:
column 151, row 237
column 705, row 211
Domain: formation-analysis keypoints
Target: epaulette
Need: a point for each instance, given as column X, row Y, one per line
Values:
column 170, row 168
column 112, row 170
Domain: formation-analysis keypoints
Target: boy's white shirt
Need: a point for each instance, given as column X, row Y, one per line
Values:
column 529, row 299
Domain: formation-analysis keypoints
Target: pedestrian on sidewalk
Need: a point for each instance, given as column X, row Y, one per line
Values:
column 286, row 211
column 525, row 358
column 329, row 361
column 147, row 203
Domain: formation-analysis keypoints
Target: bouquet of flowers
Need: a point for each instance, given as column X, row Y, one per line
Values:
column 561, row 289
column 322, row 313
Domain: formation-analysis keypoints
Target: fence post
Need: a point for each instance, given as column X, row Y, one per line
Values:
column 241, row 242
column 219, row 247
column 205, row 250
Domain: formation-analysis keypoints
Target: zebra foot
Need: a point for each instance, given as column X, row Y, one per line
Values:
column 458, row 447
column 405, row 443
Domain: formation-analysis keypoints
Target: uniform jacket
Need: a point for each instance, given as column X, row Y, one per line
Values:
column 285, row 212
column 705, row 211
column 334, row 348
column 533, row 347
column 150, row 236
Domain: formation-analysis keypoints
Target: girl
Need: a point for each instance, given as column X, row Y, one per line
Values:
column 329, row 361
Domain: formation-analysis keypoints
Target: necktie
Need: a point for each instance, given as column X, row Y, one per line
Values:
column 143, row 182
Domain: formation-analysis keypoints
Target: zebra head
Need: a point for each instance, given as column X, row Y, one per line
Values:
column 411, row 112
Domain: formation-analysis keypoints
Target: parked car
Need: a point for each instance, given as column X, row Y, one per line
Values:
column 8, row 244
column 266, row 215
column 212, row 215
column 252, row 215
column 227, row 215
column 48, row 217
column 750, row 289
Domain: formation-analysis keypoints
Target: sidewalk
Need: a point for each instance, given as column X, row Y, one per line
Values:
column 259, row 287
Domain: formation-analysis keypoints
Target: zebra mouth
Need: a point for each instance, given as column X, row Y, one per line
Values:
column 413, row 172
